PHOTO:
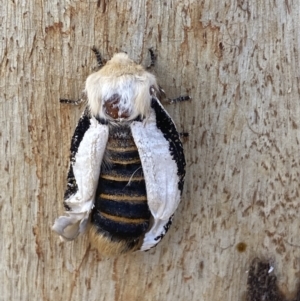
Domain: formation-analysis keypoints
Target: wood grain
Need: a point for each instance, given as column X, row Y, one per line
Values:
column 239, row 61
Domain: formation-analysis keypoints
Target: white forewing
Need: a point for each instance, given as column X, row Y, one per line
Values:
column 160, row 173
column 155, row 234
column 160, row 170
column 86, row 169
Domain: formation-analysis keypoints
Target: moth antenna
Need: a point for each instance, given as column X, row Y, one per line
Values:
column 153, row 58
column 98, row 57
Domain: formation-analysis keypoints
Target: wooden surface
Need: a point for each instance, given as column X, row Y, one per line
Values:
column 239, row 61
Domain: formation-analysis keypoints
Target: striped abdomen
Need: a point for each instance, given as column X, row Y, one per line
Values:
column 121, row 215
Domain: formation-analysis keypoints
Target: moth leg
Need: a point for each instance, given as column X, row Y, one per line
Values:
column 98, row 56
column 152, row 58
column 179, row 99
column 74, row 102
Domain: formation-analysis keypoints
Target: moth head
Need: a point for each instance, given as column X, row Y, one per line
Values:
column 121, row 90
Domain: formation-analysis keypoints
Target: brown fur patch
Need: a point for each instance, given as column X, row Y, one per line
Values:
column 122, row 219
column 121, row 149
column 121, row 179
column 107, row 247
column 124, row 162
column 126, row 198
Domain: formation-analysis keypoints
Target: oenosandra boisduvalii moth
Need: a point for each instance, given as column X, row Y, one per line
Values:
column 127, row 164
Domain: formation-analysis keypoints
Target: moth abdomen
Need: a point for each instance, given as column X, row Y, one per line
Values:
column 121, row 215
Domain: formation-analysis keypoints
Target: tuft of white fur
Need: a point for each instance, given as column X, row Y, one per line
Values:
column 124, row 77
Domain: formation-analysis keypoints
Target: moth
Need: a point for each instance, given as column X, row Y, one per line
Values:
column 127, row 165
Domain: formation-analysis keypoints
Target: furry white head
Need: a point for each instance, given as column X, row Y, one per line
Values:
column 124, row 79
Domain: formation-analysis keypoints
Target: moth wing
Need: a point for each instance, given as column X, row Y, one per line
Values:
column 163, row 162
column 87, row 150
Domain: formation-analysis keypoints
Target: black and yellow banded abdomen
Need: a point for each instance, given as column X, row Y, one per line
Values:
column 121, row 214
